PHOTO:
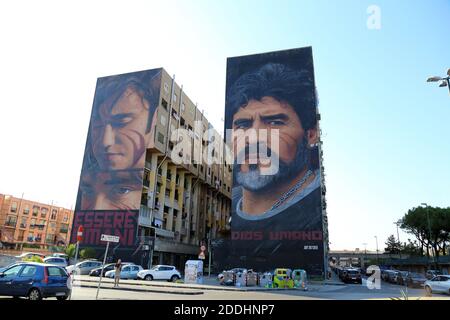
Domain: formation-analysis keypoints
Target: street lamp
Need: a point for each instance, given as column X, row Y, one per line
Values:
column 376, row 239
column 445, row 81
column 398, row 239
column 429, row 228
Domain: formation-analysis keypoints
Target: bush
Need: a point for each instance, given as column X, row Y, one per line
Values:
column 33, row 259
column 88, row 253
column 70, row 250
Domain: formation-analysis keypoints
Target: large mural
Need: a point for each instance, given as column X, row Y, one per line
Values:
column 276, row 197
column 120, row 130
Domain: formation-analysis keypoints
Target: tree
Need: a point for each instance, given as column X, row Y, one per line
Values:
column 88, row 253
column 411, row 248
column 392, row 245
column 430, row 226
column 70, row 250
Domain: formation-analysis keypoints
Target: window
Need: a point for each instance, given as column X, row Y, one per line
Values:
column 23, row 223
column 55, row 272
column 12, row 272
column 64, row 228
column 30, row 237
column 14, row 207
column 160, row 138
column 164, row 103
column 28, row 271
column 44, row 212
column 54, row 214
column 166, row 87
column 175, row 97
column 11, row 221
column 35, row 211
column 66, row 217
column 26, row 210
column 183, row 107
column 163, row 120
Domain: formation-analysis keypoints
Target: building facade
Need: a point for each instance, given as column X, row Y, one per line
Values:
column 26, row 223
column 190, row 201
column 179, row 200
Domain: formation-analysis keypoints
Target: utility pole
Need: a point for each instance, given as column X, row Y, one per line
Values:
column 376, row 239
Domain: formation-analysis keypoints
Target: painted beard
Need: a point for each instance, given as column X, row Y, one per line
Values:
column 254, row 181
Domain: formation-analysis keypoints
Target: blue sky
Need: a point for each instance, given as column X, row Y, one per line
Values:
column 385, row 130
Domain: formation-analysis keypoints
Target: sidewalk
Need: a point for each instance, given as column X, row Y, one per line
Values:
column 209, row 283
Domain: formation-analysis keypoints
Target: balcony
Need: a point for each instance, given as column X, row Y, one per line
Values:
column 23, row 225
column 10, row 224
column 63, row 230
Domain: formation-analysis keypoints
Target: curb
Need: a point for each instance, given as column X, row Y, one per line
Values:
column 142, row 290
column 218, row 288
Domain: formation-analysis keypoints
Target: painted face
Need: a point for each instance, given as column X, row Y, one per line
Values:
column 268, row 114
column 119, row 137
column 114, row 190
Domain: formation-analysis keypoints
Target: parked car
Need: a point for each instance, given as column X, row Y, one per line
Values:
column 83, row 267
column 430, row 274
column 56, row 261
column 35, row 281
column 26, row 255
column 108, row 267
column 160, row 272
column 352, row 275
column 400, row 277
column 438, row 284
column 389, row 276
column 61, row 255
column 129, row 271
column 415, row 279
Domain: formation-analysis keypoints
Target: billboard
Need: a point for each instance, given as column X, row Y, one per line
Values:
column 272, row 129
column 120, row 131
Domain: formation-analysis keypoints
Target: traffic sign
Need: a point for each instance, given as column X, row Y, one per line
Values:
column 109, row 238
column 80, row 233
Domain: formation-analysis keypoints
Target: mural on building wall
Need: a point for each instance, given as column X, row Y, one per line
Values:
column 121, row 129
column 276, row 197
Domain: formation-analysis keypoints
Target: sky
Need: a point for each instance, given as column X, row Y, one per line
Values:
column 385, row 129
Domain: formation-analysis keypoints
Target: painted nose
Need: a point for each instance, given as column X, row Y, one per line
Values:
column 108, row 136
column 101, row 202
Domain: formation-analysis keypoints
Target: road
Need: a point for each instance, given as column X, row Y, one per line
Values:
column 134, row 290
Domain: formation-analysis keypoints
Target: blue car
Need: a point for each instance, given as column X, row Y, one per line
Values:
column 35, row 281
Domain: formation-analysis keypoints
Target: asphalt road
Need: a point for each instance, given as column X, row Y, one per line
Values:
column 135, row 291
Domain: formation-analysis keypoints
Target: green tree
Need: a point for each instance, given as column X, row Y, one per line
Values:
column 392, row 245
column 430, row 226
column 70, row 250
column 88, row 253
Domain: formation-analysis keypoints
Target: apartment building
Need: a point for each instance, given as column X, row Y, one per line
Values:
column 26, row 223
column 183, row 205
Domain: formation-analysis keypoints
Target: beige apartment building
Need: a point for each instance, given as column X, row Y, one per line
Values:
column 26, row 223
column 183, row 205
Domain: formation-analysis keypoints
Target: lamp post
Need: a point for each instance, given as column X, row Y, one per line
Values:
column 445, row 81
column 376, row 239
column 398, row 240
column 365, row 253
column 429, row 231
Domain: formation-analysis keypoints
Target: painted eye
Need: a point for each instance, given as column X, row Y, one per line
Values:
column 276, row 123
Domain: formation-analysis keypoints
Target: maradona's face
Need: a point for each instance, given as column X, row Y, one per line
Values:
column 268, row 114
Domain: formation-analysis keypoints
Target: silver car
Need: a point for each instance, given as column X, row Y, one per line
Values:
column 83, row 267
column 438, row 284
column 61, row 262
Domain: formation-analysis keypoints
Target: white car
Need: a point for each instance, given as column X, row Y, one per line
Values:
column 160, row 272
column 129, row 271
column 438, row 284
column 61, row 262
